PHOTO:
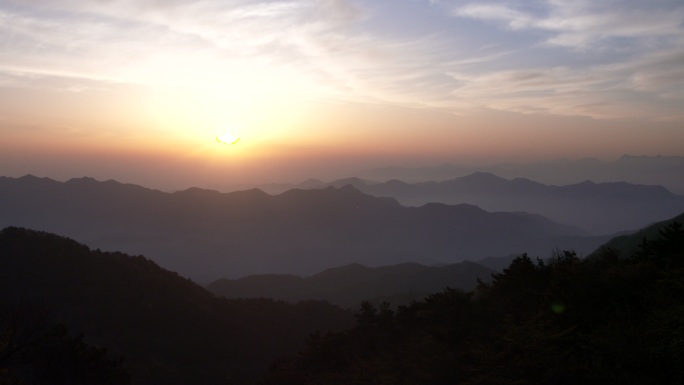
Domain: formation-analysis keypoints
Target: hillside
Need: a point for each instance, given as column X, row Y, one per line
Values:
column 349, row 285
column 206, row 235
column 167, row 329
column 598, row 320
column 629, row 244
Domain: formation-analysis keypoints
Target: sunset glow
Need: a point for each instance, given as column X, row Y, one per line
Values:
column 327, row 88
column 227, row 138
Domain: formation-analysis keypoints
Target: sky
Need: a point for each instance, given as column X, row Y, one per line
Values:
column 139, row 90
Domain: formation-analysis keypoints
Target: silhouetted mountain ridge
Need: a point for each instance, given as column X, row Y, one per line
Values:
column 601, row 208
column 207, row 235
column 168, row 329
column 567, row 320
column 648, row 170
column 351, row 284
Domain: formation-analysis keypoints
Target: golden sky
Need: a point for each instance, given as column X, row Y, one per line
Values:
column 139, row 90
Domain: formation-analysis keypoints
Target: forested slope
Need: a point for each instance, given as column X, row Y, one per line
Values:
column 167, row 329
column 607, row 319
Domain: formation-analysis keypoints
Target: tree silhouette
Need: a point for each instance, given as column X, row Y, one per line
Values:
column 36, row 350
column 604, row 319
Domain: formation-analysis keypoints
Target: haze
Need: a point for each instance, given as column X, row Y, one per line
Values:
column 138, row 90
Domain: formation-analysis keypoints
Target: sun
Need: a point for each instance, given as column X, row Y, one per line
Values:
column 227, row 138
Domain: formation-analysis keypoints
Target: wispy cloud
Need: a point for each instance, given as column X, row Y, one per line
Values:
column 600, row 59
column 583, row 24
column 151, row 41
column 503, row 13
column 622, row 57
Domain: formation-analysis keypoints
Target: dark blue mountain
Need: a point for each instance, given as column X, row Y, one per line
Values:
column 600, row 208
column 207, row 235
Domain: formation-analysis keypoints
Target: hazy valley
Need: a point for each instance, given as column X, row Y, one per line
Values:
column 207, row 235
column 350, row 264
column 85, row 316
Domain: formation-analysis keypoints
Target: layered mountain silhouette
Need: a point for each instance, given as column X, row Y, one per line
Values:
column 167, row 329
column 596, row 316
column 601, row 320
column 649, row 170
column 349, row 285
column 600, row 208
column 208, row 235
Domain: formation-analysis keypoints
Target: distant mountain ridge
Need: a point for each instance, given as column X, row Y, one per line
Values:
column 207, row 235
column 648, row 170
column 601, row 208
column 348, row 285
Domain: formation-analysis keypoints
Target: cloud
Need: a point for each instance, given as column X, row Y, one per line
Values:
column 342, row 11
column 510, row 17
column 662, row 75
column 167, row 42
column 584, row 24
column 600, row 59
column 622, row 58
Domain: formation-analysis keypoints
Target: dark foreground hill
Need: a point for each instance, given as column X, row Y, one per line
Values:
column 348, row 286
column 600, row 208
column 167, row 329
column 607, row 319
column 208, row 235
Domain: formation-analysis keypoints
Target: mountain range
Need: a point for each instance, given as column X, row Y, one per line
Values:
column 402, row 284
column 600, row 208
column 349, row 285
column 608, row 319
column 649, row 170
column 206, row 235
column 169, row 330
